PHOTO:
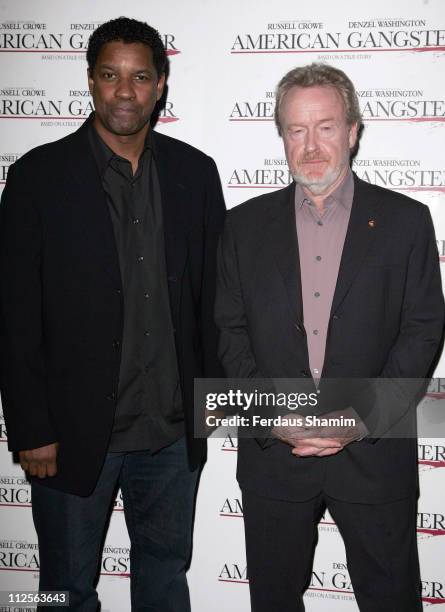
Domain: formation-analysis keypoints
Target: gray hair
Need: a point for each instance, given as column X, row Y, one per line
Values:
column 318, row 74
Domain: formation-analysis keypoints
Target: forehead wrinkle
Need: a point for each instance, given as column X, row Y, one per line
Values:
column 314, row 99
column 117, row 67
column 317, row 122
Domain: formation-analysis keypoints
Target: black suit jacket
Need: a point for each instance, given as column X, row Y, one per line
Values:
column 386, row 321
column 61, row 297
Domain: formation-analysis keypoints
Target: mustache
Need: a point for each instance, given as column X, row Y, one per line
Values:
column 125, row 107
column 310, row 157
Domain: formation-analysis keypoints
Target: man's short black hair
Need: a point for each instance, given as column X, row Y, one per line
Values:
column 128, row 31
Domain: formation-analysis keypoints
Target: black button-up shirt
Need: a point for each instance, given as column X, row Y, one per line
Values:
column 149, row 412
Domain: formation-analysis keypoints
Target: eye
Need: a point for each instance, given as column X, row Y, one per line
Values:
column 108, row 75
column 142, row 77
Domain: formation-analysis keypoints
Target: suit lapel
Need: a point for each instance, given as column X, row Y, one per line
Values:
column 284, row 243
column 87, row 195
column 174, row 196
column 364, row 224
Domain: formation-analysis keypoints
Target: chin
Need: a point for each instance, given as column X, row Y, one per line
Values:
column 121, row 128
column 317, row 184
column 125, row 130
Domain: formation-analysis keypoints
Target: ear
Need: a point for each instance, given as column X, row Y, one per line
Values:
column 352, row 136
column 160, row 86
column 90, row 81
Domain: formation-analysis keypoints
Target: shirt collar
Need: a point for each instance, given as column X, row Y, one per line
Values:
column 102, row 152
column 343, row 195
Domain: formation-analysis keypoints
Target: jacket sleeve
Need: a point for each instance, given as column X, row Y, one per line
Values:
column 23, row 372
column 214, row 221
column 235, row 350
column 421, row 327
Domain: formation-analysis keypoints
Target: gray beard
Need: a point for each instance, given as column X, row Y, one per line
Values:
column 318, row 186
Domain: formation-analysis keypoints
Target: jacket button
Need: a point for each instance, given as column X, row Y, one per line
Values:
column 304, row 373
column 172, row 279
column 298, row 328
column 116, row 344
column 335, row 317
column 111, row 397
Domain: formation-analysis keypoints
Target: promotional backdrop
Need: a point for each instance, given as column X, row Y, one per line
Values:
column 226, row 59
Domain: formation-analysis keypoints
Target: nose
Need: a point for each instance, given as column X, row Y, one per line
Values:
column 311, row 143
column 125, row 89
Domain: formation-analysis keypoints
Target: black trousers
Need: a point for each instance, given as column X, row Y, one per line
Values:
column 380, row 542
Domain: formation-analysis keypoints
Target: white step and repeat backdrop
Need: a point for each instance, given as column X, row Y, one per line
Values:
column 226, row 58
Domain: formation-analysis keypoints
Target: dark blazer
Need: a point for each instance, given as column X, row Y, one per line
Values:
column 61, row 297
column 386, row 321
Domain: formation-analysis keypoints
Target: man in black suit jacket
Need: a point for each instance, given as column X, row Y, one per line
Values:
column 330, row 278
column 108, row 247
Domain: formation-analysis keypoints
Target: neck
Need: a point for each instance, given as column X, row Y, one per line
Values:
column 127, row 146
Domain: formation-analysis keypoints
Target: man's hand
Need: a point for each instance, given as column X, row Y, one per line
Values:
column 316, row 447
column 41, row 461
column 292, row 434
column 344, row 434
column 306, row 441
column 324, row 440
